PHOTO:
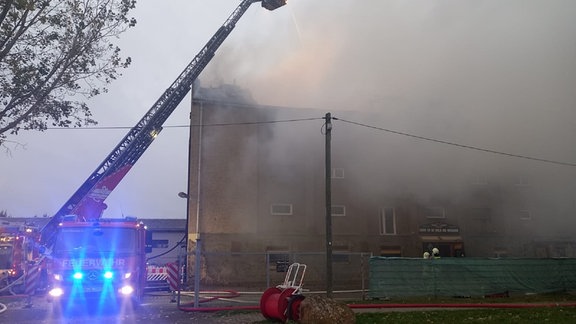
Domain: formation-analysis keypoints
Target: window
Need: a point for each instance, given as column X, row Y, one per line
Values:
column 337, row 173
column 479, row 179
column 278, row 256
column 500, row 252
column 6, row 257
column 278, row 259
column 391, row 251
column 160, row 244
column 525, row 215
column 522, row 181
column 387, row 221
column 481, row 213
column 340, row 254
column 559, row 252
column 235, row 246
column 281, row 209
column 435, row 212
column 338, row 210
column 97, row 239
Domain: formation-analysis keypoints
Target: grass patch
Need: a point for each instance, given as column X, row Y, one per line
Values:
column 480, row 315
column 513, row 298
column 552, row 315
column 500, row 315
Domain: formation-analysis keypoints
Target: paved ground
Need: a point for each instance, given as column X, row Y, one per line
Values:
column 155, row 309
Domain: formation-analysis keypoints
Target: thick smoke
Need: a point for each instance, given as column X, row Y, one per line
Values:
column 493, row 73
column 490, row 74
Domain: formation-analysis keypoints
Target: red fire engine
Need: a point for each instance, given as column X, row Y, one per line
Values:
column 104, row 259
column 17, row 249
column 88, row 255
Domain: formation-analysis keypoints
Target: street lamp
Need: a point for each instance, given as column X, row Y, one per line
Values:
column 183, row 195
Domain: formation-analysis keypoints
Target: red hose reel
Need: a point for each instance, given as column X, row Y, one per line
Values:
column 283, row 301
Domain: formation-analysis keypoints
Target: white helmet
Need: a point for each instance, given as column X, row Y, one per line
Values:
column 426, row 255
column 435, row 251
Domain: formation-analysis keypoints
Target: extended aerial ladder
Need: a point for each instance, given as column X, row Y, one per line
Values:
column 87, row 203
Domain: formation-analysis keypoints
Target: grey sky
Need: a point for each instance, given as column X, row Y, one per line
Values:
column 496, row 74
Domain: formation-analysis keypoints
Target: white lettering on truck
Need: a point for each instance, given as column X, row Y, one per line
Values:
column 93, row 263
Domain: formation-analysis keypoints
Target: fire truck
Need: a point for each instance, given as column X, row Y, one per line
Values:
column 105, row 259
column 89, row 256
column 17, row 248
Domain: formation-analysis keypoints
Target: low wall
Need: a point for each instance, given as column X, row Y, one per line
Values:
column 468, row 277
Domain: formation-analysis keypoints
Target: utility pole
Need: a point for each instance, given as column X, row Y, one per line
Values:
column 328, row 206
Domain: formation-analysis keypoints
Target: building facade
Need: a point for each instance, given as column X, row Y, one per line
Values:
column 257, row 191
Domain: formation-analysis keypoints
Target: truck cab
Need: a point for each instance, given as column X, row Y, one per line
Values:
column 96, row 262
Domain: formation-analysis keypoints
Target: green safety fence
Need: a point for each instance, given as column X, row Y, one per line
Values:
column 468, row 277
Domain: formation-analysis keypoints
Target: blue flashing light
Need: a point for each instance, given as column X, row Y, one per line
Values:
column 78, row 275
column 108, row 275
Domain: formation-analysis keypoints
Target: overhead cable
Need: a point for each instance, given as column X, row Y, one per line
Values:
column 429, row 139
column 192, row 125
column 458, row 144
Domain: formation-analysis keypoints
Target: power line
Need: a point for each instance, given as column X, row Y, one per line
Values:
column 343, row 120
column 187, row 126
column 458, row 145
column 262, row 122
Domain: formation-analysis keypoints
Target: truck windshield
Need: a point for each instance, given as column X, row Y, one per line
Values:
column 101, row 239
column 5, row 257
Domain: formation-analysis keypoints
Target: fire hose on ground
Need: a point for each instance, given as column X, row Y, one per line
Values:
column 9, row 286
column 29, row 279
column 282, row 302
column 229, row 294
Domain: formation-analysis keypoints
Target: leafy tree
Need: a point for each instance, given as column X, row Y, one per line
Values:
column 53, row 54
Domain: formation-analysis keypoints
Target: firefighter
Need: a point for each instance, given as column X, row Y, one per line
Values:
column 435, row 253
column 426, row 255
